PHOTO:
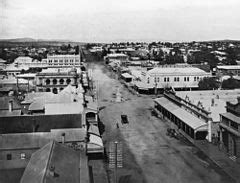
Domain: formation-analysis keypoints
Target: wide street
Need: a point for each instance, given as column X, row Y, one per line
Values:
column 149, row 155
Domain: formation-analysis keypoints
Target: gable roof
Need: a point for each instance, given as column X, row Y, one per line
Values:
column 63, row 161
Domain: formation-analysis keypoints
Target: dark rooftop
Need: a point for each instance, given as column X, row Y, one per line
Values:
column 54, row 163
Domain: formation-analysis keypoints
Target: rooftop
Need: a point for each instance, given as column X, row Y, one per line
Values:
column 230, row 67
column 191, row 120
column 59, row 70
column 176, row 71
column 213, row 101
column 54, row 163
column 39, row 139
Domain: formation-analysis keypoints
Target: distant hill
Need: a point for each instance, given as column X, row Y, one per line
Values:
column 34, row 40
column 18, row 40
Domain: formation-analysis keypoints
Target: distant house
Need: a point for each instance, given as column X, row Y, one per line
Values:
column 116, row 57
column 63, row 60
column 232, row 70
column 12, row 70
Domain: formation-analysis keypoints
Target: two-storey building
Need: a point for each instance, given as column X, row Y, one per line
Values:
column 56, row 79
column 230, row 130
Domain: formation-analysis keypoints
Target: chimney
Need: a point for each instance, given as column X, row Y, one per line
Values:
column 10, row 105
column 52, row 171
column 63, row 138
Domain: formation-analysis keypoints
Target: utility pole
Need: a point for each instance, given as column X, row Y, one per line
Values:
column 116, row 146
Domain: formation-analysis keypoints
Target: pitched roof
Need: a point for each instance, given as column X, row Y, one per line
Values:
column 176, row 71
column 64, row 108
column 232, row 117
column 53, row 163
column 189, row 119
column 39, row 139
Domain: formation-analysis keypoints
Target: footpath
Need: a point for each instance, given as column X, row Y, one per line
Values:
column 220, row 158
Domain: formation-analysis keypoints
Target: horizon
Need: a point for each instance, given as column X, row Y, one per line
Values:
column 126, row 21
column 125, row 41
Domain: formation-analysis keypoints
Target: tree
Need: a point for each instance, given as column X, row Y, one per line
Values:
column 230, row 83
column 77, row 49
column 175, row 56
column 231, row 56
column 204, row 56
column 208, row 84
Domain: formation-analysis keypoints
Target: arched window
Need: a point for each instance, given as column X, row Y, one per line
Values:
column 54, row 81
column 47, row 81
column 68, row 81
column 61, row 81
column 55, row 91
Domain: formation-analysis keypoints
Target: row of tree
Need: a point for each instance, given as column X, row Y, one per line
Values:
column 213, row 83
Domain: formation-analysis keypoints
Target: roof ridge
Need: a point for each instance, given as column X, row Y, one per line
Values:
column 49, row 157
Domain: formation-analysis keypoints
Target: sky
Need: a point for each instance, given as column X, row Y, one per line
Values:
column 120, row 20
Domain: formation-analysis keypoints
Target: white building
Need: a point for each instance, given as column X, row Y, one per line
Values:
column 13, row 70
column 29, row 62
column 172, row 76
column 56, row 79
column 63, row 60
column 116, row 57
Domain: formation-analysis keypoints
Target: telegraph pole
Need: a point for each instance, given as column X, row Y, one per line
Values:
column 116, row 145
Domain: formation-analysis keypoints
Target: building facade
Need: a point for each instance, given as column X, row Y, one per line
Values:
column 63, row 60
column 230, row 130
column 172, row 76
column 55, row 80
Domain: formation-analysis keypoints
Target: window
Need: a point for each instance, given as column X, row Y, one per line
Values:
column 55, row 61
column 178, row 79
column 148, row 80
column 187, row 78
column 195, row 78
column 184, row 78
column 158, row 79
column 9, row 156
column 167, row 79
column 175, row 79
column 234, row 125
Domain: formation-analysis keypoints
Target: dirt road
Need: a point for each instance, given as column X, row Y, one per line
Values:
column 148, row 154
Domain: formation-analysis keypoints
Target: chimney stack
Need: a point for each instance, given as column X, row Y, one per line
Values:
column 63, row 138
column 10, row 105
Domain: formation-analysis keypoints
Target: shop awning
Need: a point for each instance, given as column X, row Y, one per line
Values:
column 189, row 119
